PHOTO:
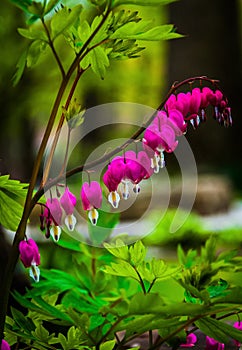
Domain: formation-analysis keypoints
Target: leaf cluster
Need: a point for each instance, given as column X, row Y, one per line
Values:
column 96, row 32
column 119, row 289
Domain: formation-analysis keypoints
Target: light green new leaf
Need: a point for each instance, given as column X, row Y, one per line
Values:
column 108, row 345
column 99, row 61
column 137, row 253
column 122, row 268
column 142, row 2
column 120, row 250
column 33, row 34
column 138, row 32
column 50, row 5
column 63, row 19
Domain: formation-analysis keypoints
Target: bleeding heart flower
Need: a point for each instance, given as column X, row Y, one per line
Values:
column 212, row 344
column 53, row 218
column 68, row 202
column 30, row 257
column 5, row 345
column 190, row 341
column 91, row 196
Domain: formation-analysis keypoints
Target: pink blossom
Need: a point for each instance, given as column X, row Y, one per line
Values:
column 29, row 253
column 237, row 325
column 212, row 344
column 190, row 341
column 91, row 196
column 5, row 345
column 68, row 201
column 30, row 257
column 53, row 211
column 53, row 218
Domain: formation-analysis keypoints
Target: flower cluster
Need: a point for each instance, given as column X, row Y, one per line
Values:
column 52, row 216
column 160, row 137
column 193, row 106
column 131, row 167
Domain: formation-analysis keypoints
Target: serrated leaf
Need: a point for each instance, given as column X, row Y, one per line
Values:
column 120, row 250
column 63, row 19
column 50, row 5
column 163, row 32
column 33, row 34
column 137, row 253
column 122, row 268
column 99, row 61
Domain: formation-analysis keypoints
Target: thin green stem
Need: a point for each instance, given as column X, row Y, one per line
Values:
column 51, row 44
column 66, row 152
column 60, row 124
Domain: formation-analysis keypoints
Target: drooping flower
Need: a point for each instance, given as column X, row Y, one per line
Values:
column 237, row 325
column 190, row 341
column 159, row 138
column 53, row 217
column 30, row 257
column 131, row 167
column 91, row 196
column 5, row 345
column 68, row 202
column 112, row 186
column 212, row 344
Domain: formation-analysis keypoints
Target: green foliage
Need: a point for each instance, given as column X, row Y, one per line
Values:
column 12, row 194
column 95, row 39
column 118, row 289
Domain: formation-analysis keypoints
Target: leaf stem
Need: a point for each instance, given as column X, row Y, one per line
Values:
column 51, row 44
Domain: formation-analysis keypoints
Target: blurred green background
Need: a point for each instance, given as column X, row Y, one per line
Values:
column 211, row 46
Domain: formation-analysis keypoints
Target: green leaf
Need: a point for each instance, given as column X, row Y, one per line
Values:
column 142, row 2
column 141, row 31
column 42, row 334
column 25, row 323
column 63, row 19
column 33, row 34
column 119, row 249
column 20, row 66
column 35, row 50
column 145, row 303
column 108, row 345
column 11, row 193
column 137, row 253
column 98, row 60
column 50, row 5
column 122, row 268
column 144, row 323
column 218, row 330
